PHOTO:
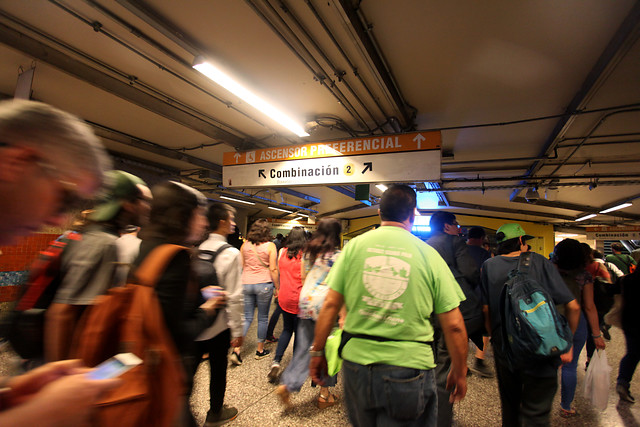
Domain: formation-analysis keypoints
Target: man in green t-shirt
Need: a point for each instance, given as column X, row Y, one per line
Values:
column 391, row 283
column 624, row 262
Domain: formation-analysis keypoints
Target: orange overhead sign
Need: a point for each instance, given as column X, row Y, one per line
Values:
column 612, row 229
column 416, row 141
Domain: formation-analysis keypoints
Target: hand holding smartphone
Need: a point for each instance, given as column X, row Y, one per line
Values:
column 209, row 292
column 115, row 366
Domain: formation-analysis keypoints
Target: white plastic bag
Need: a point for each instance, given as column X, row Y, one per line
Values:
column 596, row 381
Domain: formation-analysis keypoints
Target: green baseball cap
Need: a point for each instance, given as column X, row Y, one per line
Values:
column 511, row 231
column 118, row 187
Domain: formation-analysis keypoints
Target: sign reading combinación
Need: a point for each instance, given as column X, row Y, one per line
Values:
column 613, row 233
column 385, row 158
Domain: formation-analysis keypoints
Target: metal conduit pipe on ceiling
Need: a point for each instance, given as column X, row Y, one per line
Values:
column 355, row 18
column 595, row 127
column 624, row 38
column 97, row 27
column 484, row 188
column 346, row 58
column 324, row 56
column 158, row 22
column 539, row 178
column 105, row 81
column 609, row 135
column 321, row 79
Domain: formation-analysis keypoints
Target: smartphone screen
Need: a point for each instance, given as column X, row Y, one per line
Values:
column 115, row 366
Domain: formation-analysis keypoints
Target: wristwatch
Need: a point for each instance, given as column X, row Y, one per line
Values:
column 315, row 353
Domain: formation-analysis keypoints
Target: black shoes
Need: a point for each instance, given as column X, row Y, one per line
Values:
column 226, row 414
column 624, row 393
column 263, row 354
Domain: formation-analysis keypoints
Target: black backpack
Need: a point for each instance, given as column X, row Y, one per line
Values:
column 24, row 324
column 204, row 268
column 532, row 328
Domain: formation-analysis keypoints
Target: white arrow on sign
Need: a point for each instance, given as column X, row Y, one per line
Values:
column 419, row 138
column 236, row 156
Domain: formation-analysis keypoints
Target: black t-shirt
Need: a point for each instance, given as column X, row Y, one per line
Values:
column 495, row 272
column 479, row 254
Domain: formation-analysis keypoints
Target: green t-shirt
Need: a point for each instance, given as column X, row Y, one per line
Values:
column 392, row 282
column 622, row 261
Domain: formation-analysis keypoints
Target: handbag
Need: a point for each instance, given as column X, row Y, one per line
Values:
column 596, row 380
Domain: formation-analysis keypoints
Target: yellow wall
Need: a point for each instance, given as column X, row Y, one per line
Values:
column 542, row 244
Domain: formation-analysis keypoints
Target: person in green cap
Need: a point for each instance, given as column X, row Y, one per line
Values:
column 88, row 266
column 526, row 395
column 623, row 261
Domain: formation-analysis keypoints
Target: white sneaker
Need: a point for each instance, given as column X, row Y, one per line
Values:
column 274, row 373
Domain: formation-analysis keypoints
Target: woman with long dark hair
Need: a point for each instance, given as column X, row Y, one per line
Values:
column 290, row 273
column 259, row 276
column 571, row 261
column 178, row 217
column 319, row 256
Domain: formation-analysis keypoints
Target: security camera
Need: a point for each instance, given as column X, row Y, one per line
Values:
column 532, row 195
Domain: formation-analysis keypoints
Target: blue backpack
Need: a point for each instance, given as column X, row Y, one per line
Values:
column 532, row 328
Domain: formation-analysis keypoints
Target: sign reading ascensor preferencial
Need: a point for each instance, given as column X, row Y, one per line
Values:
column 385, row 158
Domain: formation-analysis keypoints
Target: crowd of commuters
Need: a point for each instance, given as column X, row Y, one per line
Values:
column 406, row 308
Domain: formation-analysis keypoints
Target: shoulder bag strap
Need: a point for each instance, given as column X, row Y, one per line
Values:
column 253, row 247
column 524, row 263
column 155, row 263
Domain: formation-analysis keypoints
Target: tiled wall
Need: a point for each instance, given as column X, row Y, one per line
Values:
column 15, row 261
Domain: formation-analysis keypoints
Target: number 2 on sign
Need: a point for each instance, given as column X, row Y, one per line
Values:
column 348, row 169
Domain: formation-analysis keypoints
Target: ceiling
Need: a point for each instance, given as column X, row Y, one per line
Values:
column 543, row 94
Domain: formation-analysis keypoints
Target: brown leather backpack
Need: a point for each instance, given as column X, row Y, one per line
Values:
column 129, row 319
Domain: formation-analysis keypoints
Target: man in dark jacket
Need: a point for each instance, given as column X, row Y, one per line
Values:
column 453, row 249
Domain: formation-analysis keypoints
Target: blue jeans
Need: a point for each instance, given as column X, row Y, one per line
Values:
column 385, row 395
column 297, row 371
column 257, row 295
column 289, row 325
column 569, row 377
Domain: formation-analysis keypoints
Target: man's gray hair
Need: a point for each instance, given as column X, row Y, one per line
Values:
column 61, row 138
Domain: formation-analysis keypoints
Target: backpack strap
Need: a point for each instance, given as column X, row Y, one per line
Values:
column 212, row 255
column 155, row 263
column 524, row 263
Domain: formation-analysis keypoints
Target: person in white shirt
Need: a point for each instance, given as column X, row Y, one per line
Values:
column 226, row 331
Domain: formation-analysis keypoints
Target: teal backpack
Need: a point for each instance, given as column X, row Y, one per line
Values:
column 532, row 328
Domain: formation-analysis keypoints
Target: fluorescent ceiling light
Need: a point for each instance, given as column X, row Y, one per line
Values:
column 215, row 74
column 236, row 200
column 585, row 217
column 281, row 210
column 298, row 218
column 382, row 187
column 566, row 235
column 615, row 208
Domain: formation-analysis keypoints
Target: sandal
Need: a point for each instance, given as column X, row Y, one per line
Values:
column 327, row 401
column 568, row 413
